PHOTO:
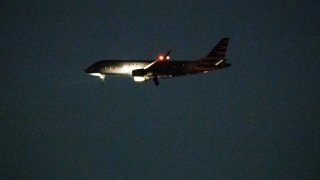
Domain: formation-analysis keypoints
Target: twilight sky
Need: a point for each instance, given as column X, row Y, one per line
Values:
column 258, row 119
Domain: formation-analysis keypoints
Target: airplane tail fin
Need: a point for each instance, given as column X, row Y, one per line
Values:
column 219, row 51
column 216, row 57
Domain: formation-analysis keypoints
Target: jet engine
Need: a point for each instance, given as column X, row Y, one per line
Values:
column 139, row 75
column 139, row 78
column 139, row 72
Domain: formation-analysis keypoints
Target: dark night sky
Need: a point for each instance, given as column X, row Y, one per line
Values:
column 258, row 119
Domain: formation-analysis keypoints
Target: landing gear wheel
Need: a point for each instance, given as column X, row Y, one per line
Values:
column 155, row 80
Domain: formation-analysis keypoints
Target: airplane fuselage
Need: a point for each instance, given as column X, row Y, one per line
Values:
column 163, row 69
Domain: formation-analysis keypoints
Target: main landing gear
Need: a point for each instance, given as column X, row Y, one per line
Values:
column 155, row 80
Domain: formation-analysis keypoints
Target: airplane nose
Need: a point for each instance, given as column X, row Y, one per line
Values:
column 90, row 69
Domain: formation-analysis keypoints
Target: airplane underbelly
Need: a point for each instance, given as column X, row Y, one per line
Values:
column 172, row 70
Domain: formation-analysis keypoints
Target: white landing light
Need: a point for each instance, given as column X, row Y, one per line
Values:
column 101, row 76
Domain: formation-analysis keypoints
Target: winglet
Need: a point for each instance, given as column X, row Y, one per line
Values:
column 219, row 51
column 168, row 53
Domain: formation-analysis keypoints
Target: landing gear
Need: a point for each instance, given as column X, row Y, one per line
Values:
column 155, row 80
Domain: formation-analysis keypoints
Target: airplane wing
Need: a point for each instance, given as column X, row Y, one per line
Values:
column 158, row 60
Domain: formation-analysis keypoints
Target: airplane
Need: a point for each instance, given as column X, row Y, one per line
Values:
column 162, row 67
